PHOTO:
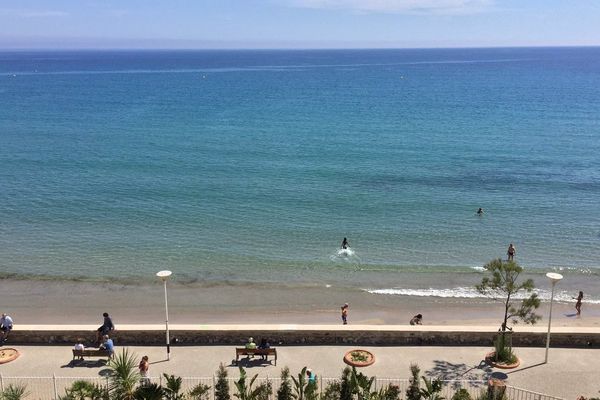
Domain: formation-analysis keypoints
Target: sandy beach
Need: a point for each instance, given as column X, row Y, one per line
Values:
column 59, row 302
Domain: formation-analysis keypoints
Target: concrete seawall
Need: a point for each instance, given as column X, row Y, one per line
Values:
column 366, row 335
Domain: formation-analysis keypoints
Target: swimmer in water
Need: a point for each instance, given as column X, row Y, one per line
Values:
column 480, row 211
column 345, row 244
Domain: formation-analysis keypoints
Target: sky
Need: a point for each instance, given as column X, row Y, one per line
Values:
column 180, row 24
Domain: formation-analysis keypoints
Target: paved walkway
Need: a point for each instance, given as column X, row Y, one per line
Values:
column 569, row 373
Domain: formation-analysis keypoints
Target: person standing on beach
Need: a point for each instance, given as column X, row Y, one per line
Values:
column 578, row 304
column 345, row 244
column 6, row 325
column 345, row 314
column 512, row 250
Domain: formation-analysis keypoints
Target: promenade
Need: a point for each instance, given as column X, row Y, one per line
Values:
column 569, row 373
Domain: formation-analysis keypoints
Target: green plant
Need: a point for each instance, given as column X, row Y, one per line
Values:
column 199, row 392
column 432, row 389
column 413, row 392
column 245, row 390
column 285, row 388
column 346, row 385
column 222, row 385
column 358, row 356
column 124, row 376
column 84, row 390
column 332, row 391
column 173, row 387
column 389, row 392
column 361, row 384
column 503, row 350
column 149, row 391
column 462, row 394
column 14, row 392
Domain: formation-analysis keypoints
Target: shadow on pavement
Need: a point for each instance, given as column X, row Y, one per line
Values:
column 445, row 370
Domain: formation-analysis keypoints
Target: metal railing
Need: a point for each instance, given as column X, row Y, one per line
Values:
column 51, row 387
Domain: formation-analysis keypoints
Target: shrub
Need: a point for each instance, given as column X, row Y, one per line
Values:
column 413, row 392
column 462, row 394
column 285, row 389
column 222, row 385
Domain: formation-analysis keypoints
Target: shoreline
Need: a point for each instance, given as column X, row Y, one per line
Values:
column 62, row 303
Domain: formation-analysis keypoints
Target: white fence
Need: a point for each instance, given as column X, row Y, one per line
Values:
column 51, row 387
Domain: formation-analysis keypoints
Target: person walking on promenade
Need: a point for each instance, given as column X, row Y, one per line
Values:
column 345, row 314
column 106, row 327
column 144, row 366
column 512, row 250
column 578, row 303
column 6, row 325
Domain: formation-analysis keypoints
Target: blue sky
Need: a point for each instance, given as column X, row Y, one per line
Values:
column 297, row 23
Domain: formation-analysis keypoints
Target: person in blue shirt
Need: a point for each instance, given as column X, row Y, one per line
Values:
column 108, row 345
column 312, row 377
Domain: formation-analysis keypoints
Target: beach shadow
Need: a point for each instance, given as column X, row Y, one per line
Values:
column 445, row 370
column 251, row 363
column 571, row 315
column 85, row 364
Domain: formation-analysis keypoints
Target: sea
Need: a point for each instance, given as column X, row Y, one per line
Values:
column 249, row 167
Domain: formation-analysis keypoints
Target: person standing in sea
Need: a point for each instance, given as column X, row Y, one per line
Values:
column 345, row 314
column 511, row 252
column 578, row 304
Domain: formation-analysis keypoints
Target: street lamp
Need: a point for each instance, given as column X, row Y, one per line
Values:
column 554, row 277
column 164, row 276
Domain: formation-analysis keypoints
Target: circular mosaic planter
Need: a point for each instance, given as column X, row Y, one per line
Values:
column 489, row 358
column 359, row 358
column 7, row 354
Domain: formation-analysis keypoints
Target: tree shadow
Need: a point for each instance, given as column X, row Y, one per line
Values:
column 85, row 364
column 445, row 370
column 571, row 315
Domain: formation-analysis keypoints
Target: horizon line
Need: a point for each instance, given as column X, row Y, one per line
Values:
column 100, row 48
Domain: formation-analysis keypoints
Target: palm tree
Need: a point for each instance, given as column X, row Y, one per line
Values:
column 124, row 376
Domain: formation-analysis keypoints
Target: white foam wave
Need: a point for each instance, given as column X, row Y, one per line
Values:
column 472, row 293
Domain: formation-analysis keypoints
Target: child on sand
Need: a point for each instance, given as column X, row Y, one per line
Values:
column 345, row 314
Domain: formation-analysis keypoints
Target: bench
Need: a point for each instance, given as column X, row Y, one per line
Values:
column 91, row 353
column 242, row 351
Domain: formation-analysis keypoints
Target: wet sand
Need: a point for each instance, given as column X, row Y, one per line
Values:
column 58, row 302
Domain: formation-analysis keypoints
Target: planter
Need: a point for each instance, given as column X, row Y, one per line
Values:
column 489, row 358
column 7, row 354
column 359, row 358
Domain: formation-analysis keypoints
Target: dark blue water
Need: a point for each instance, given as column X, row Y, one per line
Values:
column 253, row 165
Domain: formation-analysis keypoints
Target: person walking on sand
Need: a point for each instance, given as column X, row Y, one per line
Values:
column 512, row 250
column 345, row 314
column 578, row 304
column 417, row 320
column 345, row 244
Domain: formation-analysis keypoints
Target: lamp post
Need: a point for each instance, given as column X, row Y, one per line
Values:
column 554, row 278
column 164, row 276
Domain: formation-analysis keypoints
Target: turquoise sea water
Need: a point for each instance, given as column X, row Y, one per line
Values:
column 251, row 166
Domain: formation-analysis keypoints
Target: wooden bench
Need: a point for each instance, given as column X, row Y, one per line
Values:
column 91, row 353
column 242, row 351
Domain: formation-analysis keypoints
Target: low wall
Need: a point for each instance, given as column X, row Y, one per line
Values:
column 366, row 335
